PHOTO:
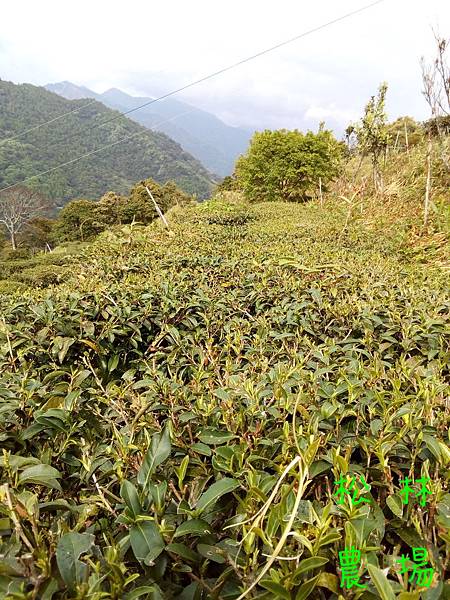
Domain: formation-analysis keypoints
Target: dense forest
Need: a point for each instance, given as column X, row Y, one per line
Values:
column 145, row 154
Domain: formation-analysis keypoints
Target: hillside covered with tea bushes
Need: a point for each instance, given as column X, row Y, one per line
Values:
column 174, row 416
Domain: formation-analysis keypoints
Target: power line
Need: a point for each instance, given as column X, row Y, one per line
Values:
column 22, row 133
column 228, row 68
column 191, row 84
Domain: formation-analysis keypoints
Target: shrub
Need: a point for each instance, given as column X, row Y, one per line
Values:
column 8, row 253
column 224, row 212
column 78, row 220
column 43, row 275
column 9, row 286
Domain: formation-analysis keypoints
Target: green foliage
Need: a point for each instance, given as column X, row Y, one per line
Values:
column 228, row 184
column 85, row 219
column 42, row 275
column 405, row 133
column 37, row 234
column 9, row 286
column 8, row 253
column 79, row 220
column 438, row 126
column 223, row 211
column 173, row 416
column 146, row 154
column 288, row 165
column 372, row 132
column 40, row 270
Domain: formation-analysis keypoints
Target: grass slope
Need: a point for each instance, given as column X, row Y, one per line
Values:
column 146, row 154
column 152, row 404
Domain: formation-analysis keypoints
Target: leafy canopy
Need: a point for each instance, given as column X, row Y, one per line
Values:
column 288, row 165
column 84, row 219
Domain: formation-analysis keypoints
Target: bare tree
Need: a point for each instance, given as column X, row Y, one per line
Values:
column 17, row 206
column 436, row 89
column 436, row 80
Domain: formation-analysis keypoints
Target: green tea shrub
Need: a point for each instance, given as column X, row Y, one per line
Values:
column 9, row 286
column 174, row 417
column 42, row 275
column 8, row 253
column 225, row 210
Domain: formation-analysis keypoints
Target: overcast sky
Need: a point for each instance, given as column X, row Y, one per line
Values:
column 149, row 48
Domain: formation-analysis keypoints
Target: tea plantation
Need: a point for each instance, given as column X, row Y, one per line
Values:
column 221, row 412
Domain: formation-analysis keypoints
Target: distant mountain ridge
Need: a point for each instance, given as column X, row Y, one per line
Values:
column 200, row 133
column 146, row 154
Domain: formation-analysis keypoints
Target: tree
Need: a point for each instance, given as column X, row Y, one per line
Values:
column 141, row 207
column 78, row 220
column 172, row 195
column 404, row 133
column 228, row 184
column 436, row 80
column 373, row 135
column 287, row 165
column 436, row 90
column 109, row 208
column 37, row 234
column 18, row 206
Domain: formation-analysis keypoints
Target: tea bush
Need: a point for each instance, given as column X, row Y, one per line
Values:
column 175, row 415
column 42, row 275
column 9, row 286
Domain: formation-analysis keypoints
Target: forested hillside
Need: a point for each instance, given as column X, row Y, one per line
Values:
column 206, row 137
column 145, row 154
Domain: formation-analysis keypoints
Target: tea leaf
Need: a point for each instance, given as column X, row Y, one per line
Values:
column 156, row 454
column 381, row 583
column 68, row 551
column 146, row 541
column 192, row 527
column 215, row 491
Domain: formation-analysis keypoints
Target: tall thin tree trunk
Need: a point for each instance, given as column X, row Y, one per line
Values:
column 406, row 137
column 396, row 141
column 426, row 206
column 13, row 240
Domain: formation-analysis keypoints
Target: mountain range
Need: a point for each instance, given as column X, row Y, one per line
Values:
column 199, row 132
column 26, row 150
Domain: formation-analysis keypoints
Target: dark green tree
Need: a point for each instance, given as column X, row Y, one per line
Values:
column 38, row 234
column 228, row 184
column 78, row 220
column 109, row 209
column 288, row 165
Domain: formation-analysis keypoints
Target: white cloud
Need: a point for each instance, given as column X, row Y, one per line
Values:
column 149, row 48
column 324, row 113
